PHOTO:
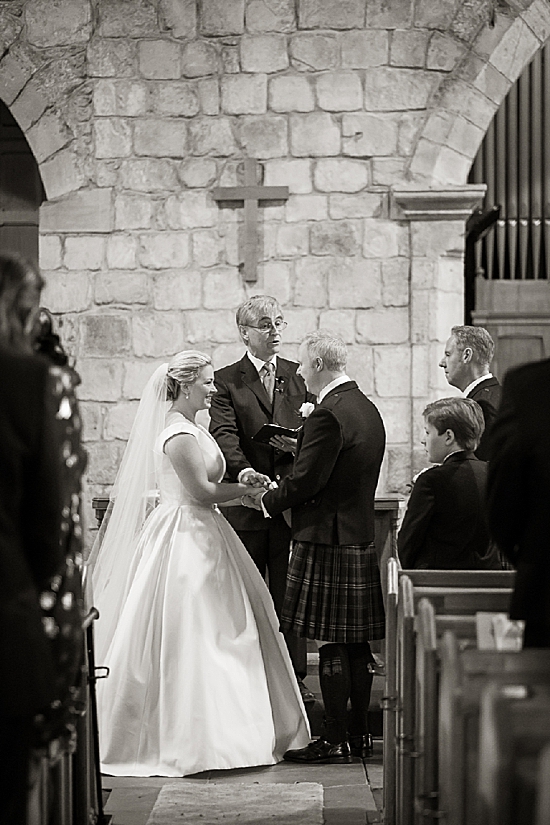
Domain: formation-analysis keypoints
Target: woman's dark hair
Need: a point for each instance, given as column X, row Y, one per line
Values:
column 20, row 287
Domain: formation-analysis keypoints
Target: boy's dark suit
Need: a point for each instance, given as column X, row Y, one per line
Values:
column 487, row 394
column 519, row 493
column 445, row 525
column 239, row 409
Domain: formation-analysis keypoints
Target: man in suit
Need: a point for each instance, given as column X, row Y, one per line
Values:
column 261, row 388
column 333, row 591
column 468, row 355
column 445, row 525
column 519, row 493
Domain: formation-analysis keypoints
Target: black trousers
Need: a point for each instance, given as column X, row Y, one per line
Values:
column 269, row 549
column 15, row 747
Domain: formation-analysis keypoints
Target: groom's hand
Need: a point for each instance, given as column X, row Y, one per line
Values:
column 255, row 479
column 253, row 498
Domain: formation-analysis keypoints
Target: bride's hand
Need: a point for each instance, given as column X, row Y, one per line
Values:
column 253, row 497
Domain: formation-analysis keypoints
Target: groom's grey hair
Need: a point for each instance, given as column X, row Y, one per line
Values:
column 328, row 346
column 255, row 308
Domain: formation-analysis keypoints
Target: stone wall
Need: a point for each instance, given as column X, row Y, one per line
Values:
column 370, row 112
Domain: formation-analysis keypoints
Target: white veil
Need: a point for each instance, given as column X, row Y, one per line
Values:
column 113, row 562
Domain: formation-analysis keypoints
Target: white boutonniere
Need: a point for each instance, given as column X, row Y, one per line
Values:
column 306, row 409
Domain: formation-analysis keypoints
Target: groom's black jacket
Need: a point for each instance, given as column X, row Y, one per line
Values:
column 331, row 488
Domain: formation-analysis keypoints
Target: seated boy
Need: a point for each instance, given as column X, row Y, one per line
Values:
column 445, row 522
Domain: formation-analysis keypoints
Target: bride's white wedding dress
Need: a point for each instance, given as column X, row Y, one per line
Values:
column 200, row 678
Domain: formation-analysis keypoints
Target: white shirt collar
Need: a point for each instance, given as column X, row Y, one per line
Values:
column 342, row 379
column 474, row 384
column 258, row 363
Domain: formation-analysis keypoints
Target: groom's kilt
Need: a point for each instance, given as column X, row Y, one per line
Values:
column 333, row 593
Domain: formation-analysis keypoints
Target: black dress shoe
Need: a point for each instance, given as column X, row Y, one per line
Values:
column 307, row 696
column 361, row 745
column 320, row 752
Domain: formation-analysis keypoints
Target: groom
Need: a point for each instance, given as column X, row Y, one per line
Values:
column 261, row 388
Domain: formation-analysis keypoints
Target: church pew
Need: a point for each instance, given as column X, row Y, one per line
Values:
column 464, row 674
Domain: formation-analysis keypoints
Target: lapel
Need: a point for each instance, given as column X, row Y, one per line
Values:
column 252, row 380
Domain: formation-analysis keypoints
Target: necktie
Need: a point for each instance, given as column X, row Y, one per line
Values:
column 268, row 378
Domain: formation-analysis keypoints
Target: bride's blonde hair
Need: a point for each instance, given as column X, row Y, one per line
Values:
column 183, row 370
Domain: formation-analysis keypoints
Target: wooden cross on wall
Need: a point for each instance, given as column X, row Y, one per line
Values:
column 250, row 194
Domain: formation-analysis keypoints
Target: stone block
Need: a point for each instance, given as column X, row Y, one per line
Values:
column 340, row 175
column 291, row 93
column 16, row 68
column 104, row 336
column 340, row 321
column 516, row 48
column 244, row 94
column 270, row 16
column 190, row 210
column 300, row 321
column 388, row 171
column 209, row 96
column 296, row 174
column 149, row 175
column 113, row 138
column 315, row 134
column 336, row 238
column 104, row 459
column 443, row 53
column 326, row 14
column 10, row 29
column 310, row 287
column 67, row 292
column 339, row 91
column 89, row 210
column 313, row 52
column 389, row 325
column 159, row 59
column 61, row 174
column 221, row 17
column 91, row 415
column 127, row 18
column 230, row 59
column 121, row 287
column 133, row 212
column 395, row 282
column 409, row 48
column 264, row 136
column 119, row 419
column 450, row 275
column 111, row 58
column 58, row 22
column 181, row 289
column 306, row 208
column 537, row 17
column 47, row 136
column 157, row 334
column 396, row 415
column 49, row 252
column 465, row 137
column 365, row 135
column 264, row 53
column 175, row 99
column 430, row 239
column 206, row 248
column 122, row 98
column 31, row 103
column 198, row 173
column 199, row 58
column 399, row 472
column 227, row 354
column 364, row 49
column 121, row 251
column 223, row 288
column 420, row 372
column 212, row 136
column 381, row 239
column 165, row 139
column 292, row 241
column 354, row 284
column 384, row 15
column 392, row 89
column 360, row 367
column 179, row 17
column 275, row 277
column 136, row 374
column 362, row 205
column 420, row 316
column 492, row 83
column 164, row 250
column 106, row 173
column 446, row 310
column 392, row 370
column 84, row 252
column 205, row 328
column 434, row 16
column 101, row 380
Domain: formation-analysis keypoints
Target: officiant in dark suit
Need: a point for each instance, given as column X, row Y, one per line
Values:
column 333, row 591
column 466, row 362
column 261, row 388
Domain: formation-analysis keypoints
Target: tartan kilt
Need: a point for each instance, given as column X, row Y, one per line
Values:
column 333, row 593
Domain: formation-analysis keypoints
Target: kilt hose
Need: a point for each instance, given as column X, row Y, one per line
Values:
column 333, row 593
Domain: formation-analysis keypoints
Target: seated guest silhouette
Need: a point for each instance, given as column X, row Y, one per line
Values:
column 445, row 524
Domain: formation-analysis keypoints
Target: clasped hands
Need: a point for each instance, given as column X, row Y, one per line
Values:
column 259, row 484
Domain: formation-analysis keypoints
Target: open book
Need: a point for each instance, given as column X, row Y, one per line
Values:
column 267, row 432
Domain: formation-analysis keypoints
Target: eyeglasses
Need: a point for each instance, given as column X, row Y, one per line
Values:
column 266, row 326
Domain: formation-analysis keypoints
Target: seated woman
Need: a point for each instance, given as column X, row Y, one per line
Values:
column 445, row 526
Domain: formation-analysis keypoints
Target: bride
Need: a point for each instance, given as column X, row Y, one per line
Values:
column 200, row 678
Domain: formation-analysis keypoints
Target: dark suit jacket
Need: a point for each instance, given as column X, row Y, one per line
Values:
column 331, row 488
column 239, row 409
column 487, row 394
column 519, row 487
column 30, row 517
column 445, row 525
